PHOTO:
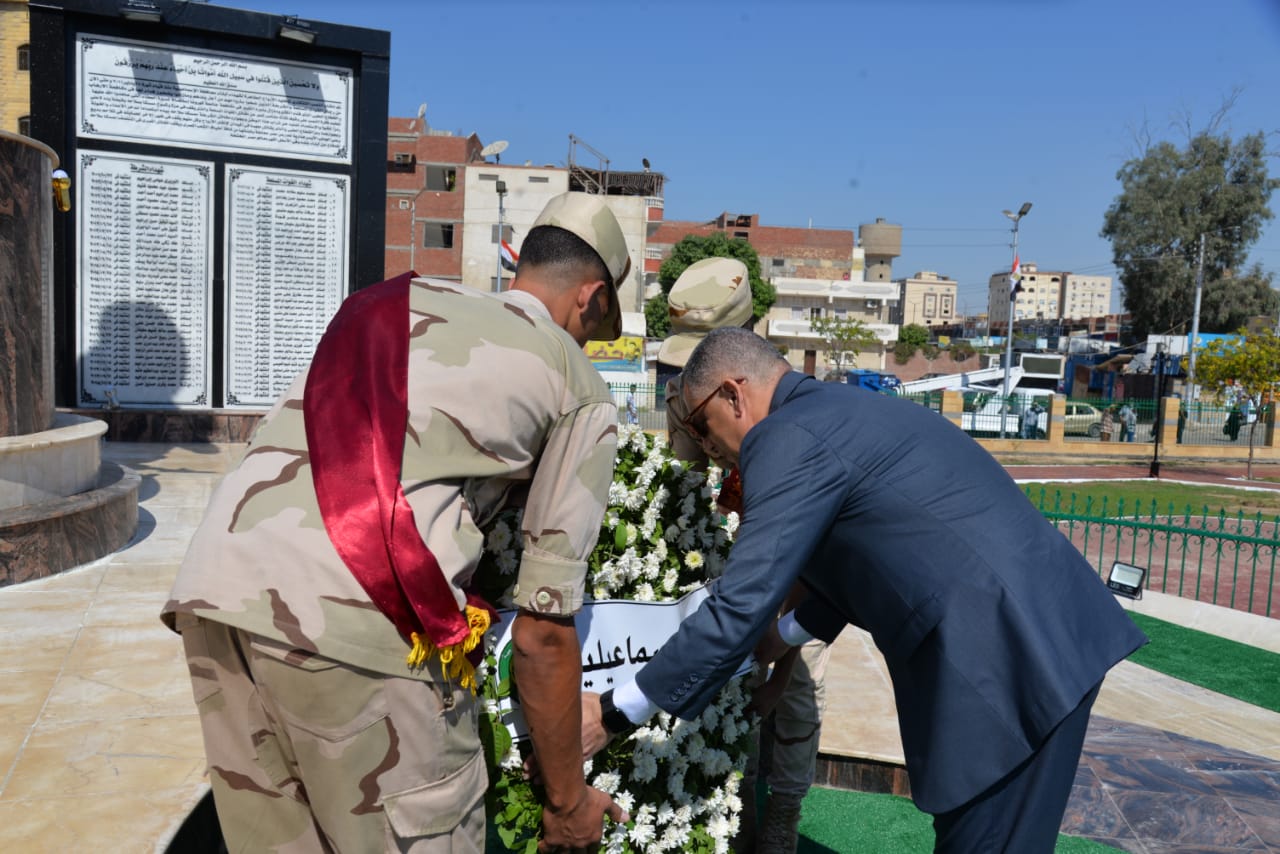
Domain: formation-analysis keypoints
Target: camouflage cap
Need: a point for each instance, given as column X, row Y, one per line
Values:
column 587, row 216
column 709, row 294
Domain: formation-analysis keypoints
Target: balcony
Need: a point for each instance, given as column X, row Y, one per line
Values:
column 786, row 329
column 834, row 289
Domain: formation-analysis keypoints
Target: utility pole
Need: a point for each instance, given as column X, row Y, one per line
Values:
column 1195, row 325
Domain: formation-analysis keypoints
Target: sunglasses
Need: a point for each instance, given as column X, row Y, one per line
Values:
column 698, row 427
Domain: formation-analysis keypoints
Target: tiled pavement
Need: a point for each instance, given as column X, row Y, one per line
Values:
column 100, row 746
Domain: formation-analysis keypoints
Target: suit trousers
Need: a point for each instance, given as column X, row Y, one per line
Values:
column 1022, row 812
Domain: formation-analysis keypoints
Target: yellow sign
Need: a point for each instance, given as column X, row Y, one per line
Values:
column 622, row 354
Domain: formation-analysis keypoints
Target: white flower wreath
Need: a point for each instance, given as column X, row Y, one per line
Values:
column 662, row 537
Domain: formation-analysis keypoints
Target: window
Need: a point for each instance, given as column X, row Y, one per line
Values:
column 24, row 57
column 507, row 233
column 741, row 235
column 24, row 125
column 442, row 178
column 815, row 313
column 404, row 204
column 778, row 262
column 539, row 179
column 488, row 176
column 797, row 313
column 437, row 235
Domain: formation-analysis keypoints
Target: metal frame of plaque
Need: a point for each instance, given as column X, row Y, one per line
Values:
column 235, row 118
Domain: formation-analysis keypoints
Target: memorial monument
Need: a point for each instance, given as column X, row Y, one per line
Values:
column 60, row 506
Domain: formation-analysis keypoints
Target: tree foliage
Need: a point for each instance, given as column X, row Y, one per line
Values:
column 914, row 335
column 845, row 338
column 1215, row 186
column 1249, row 363
column 694, row 248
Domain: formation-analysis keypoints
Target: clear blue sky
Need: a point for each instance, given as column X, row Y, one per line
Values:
column 932, row 114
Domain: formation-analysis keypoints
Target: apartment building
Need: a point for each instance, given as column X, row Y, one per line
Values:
column 426, row 173
column 1085, row 296
column 449, row 206
column 926, row 299
column 1039, row 298
column 1048, row 295
column 815, row 271
column 15, row 67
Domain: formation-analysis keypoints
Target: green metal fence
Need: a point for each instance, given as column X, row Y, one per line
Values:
column 1222, row 559
column 651, row 409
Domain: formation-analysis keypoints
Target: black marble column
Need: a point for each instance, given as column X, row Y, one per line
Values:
column 26, row 285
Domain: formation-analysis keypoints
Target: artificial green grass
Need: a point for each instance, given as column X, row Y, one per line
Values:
column 861, row 823
column 1224, row 666
column 1173, row 499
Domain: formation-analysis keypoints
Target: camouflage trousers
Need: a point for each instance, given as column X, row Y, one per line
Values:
column 788, row 750
column 307, row 754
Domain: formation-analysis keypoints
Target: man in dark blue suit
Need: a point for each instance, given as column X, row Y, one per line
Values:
column 995, row 630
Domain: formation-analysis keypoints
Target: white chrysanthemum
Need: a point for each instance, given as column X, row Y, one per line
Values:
column 731, row 523
column 649, row 522
column 642, row 834
column 715, row 763
column 607, row 782
column 644, row 767
column 693, row 560
column 669, row 580
column 644, row 593
column 652, row 567
column 617, row 495
column 660, row 496
column 614, row 839
column 674, row 838
column 499, row 538
column 721, row 830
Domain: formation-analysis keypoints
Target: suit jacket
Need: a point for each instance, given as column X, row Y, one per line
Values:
column 992, row 624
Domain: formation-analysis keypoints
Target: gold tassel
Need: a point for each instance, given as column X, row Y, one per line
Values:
column 453, row 658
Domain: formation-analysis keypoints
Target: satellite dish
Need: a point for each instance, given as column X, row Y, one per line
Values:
column 495, row 149
column 422, row 114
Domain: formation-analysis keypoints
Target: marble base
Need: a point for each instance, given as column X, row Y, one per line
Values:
column 861, row 775
column 37, row 540
column 51, row 464
column 161, row 425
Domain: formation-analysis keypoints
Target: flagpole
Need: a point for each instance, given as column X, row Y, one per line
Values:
column 1014, row 275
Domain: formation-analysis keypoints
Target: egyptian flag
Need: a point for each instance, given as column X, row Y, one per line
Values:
column 508, row 255
column 1015, row 279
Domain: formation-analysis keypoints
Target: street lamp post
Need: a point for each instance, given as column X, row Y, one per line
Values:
column 1013, row 296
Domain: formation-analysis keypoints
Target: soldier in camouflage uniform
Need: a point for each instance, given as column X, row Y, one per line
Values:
column 319, row 735
column 710, row 294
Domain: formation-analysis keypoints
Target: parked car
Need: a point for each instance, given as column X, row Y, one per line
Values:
column 1082, row 419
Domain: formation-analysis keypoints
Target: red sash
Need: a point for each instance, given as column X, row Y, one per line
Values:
column 355, row 411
